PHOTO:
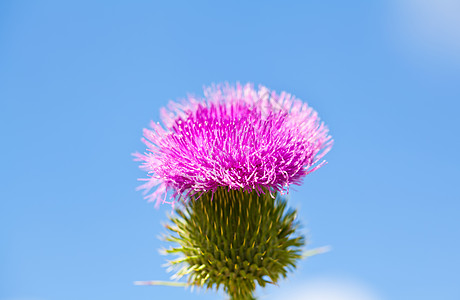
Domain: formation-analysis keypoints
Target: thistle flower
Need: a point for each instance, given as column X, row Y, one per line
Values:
column 234, row 137
column 228, row 158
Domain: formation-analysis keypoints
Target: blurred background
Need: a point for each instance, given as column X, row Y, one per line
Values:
column 80, row 79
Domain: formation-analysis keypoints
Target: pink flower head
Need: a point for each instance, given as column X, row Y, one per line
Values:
column 236, row 137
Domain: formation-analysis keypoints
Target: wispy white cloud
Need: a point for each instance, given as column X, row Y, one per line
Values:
column 428, row 27
column 327, row 289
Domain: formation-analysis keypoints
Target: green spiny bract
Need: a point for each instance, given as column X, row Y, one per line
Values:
column 234, row 239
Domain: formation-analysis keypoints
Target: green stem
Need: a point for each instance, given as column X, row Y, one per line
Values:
column 242, row 297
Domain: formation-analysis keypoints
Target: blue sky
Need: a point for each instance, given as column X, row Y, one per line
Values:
column 80, row 79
